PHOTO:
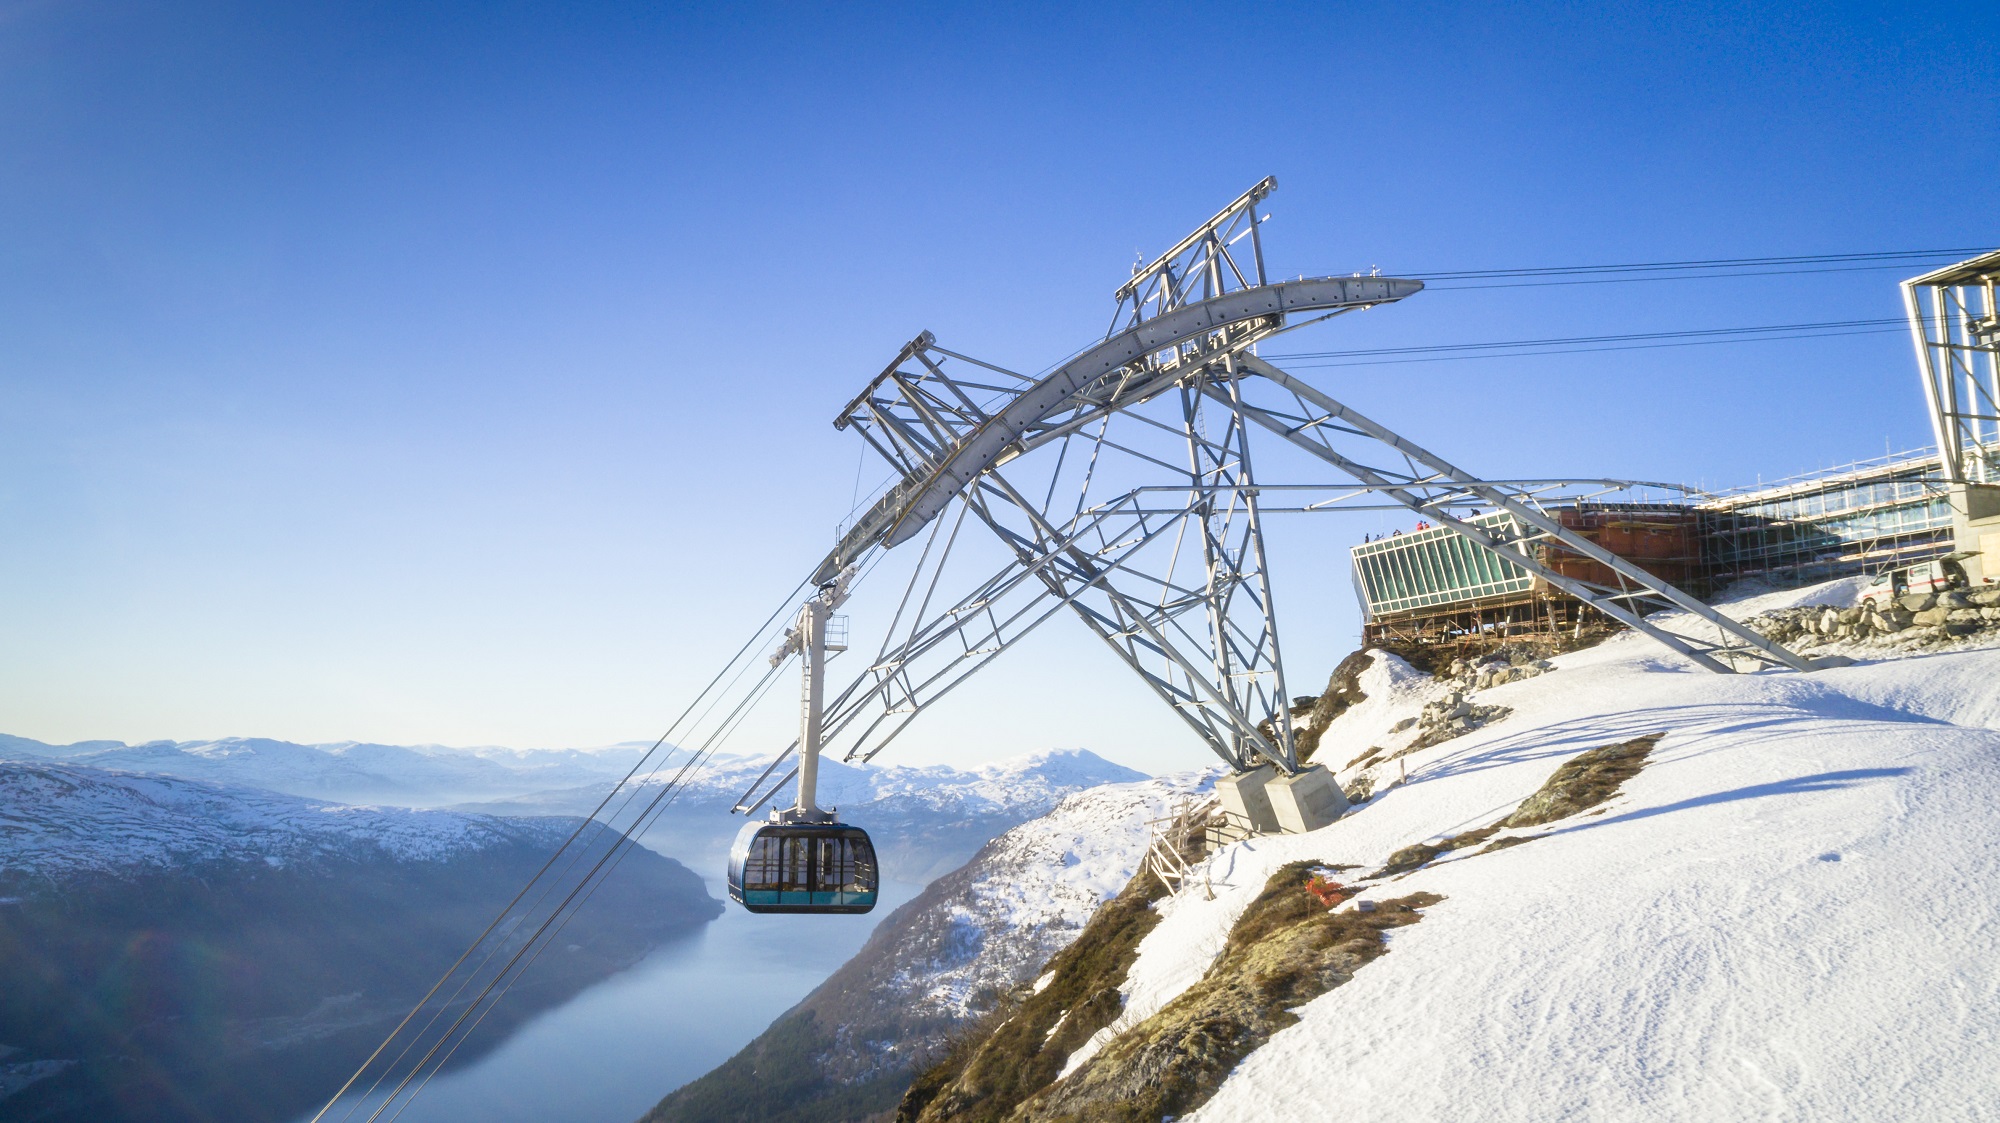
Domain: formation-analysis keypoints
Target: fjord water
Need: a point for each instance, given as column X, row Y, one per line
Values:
column 610, row 1053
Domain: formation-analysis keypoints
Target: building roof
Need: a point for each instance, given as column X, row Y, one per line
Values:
column 1978, row 270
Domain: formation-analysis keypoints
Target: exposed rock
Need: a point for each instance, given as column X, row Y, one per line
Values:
column 1498, row 668
column 1449, row 717
column 1343, row 691
column 1804, row 627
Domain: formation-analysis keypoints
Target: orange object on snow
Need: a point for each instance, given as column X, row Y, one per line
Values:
column 1330, row 893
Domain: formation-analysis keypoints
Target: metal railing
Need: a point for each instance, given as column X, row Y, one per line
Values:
column 1171, row 839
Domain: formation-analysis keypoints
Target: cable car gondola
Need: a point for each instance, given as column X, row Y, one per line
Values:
column 801, row 859
column 803, row 867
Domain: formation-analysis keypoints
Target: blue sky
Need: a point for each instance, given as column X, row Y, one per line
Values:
column 463, row 373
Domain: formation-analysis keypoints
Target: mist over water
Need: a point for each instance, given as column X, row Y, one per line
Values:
column 610, row 1053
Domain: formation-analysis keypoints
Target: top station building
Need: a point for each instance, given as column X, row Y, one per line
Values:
column 1435, row 586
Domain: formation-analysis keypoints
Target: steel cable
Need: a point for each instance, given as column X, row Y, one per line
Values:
column 540, row 874
column 1585, row 344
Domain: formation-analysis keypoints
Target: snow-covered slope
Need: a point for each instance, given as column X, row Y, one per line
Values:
column 60, row 819
column 1789, row 913
column 1024, row 897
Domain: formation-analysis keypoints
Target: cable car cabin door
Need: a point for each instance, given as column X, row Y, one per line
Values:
column 799, row 867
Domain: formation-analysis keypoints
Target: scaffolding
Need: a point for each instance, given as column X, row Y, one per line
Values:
column 1862, row 517
column 1431, row 587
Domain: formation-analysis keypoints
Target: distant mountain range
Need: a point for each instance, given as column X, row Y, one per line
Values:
column 347, row 771
column 926, row 819
column 61, row 820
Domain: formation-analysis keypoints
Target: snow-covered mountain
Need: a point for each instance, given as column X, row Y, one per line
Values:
column 347, row 771
column 928, row 818
column 1784, row 910
column 942, row 960
column 925, row 819
column 60, row 820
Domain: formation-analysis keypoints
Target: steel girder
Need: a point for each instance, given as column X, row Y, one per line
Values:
column 953, row 437
column 1315, row 421
column 1196, row 624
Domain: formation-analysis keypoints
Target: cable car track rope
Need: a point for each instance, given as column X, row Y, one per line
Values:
column 1584, row 344
column 556, row 873
column 1693, row 270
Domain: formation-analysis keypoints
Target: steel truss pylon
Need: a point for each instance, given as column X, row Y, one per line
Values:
column 1120, row 488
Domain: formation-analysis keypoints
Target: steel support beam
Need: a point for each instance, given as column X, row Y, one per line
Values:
column 1617, row 604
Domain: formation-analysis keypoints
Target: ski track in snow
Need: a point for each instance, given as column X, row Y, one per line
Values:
column 1788, row 914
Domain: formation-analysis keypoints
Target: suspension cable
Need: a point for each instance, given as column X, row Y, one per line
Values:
column 629, row 786
column 1582, row 344
column 1694, row 269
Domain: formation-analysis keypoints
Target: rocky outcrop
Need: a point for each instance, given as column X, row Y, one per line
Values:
column 1918, row 620
column 1343, row 692
column 1513, row 663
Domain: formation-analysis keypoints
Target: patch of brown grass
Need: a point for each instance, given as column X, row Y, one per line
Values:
column 1286, row 950
column 1583, row 782
column 1411, row 857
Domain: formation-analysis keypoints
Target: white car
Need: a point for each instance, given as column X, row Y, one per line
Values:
column 1924, row 577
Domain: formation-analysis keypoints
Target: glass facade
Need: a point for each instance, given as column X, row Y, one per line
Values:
column 1435, row 567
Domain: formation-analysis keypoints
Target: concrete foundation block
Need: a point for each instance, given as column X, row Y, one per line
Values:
column 1245, row 800
column 1307, row 801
